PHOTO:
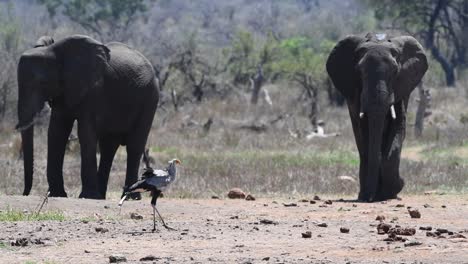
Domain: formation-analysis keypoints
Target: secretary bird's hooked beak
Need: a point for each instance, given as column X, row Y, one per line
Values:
column 176, row 161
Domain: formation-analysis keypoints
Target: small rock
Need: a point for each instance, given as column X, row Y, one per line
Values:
column 457, row 235
column 414, row 213
column 380, row 218
column 427, row 206
column 290, row 204
column 136, row 216
column 234, row 217
column 20, row 242
column 215, row 197
column 328, row 202
column 322, row 225
column 431, row 234
column 444, row 206
column 383, row 228
column 307, row 234
column 401, row 231
column 344, row 230
column 425, row 228
column 312, row 202
column 442, row 230
column 149, row 258
column 316, row 198
column 413, row 243
column 236, row 193
column 266, row 258
column 87, row 251
column 106, row 207
column 250, row 198
column 101, row 229
column 304, row 200
column 268, row 222
column 400, row 205
column 117, row 258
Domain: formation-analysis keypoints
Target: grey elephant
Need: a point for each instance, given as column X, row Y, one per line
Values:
column 376, row 75
column 110, row 90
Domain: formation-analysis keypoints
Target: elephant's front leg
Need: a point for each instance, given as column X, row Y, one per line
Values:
column 60, row 126
column 88, row 142
column 390, row 182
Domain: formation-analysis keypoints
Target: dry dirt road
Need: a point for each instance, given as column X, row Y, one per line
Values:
column 239, row 231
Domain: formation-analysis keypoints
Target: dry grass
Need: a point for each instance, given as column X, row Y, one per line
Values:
column 273, row 162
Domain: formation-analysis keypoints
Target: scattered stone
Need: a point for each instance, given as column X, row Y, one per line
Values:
column 431, row 234
column 442, row 230
column 101, row 229
column 408, row 231
column 316, row 198
column 236, row 193
column 425, row 228
column 383, row 228
column 322, row 225
column 87, row 251
column 266, row 258
column 400, row 205
column 457, row 235
column 307, row 234
column 328, row 202
column 106, row 207
column 303, row 200
column 354, row 205
column 427, row 206
column 117, row 258
column 312, row 202
column 392, row 237
column 268, row 222
column 444, row 206
column 344, row 230
column 414, row 213
column 136, row 216
column 380, row 218
column 413, row 243
column 250, row 198
column 234, row 217
column 20, row 242
column 290, row 204
column 149, row 258
column 215, row 197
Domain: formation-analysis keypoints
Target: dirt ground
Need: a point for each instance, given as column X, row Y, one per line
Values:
column 239, row 231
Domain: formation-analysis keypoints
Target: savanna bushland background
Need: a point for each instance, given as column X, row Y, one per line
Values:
column 243, row 88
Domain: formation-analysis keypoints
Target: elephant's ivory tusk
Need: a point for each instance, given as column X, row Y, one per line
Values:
column 361, row 115
column 392, row 112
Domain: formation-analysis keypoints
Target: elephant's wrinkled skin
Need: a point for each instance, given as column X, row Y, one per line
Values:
column 110, row 90
column 376, row 75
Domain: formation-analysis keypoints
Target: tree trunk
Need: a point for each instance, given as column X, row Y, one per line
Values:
column 424, row 99
column 257, row 83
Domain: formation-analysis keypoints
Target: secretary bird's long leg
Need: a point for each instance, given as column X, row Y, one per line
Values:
column 162, row 220
column 155, row 195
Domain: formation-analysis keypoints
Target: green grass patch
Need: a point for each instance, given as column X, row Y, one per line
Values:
column 10, row 215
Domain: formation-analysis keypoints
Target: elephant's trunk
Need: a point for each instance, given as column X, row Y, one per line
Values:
column 376, row 126
column 27, row 138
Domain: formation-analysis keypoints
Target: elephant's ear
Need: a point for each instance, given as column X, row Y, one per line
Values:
column 413, row 66
column 341, row 66
column 44, row 41
column 83, row 61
